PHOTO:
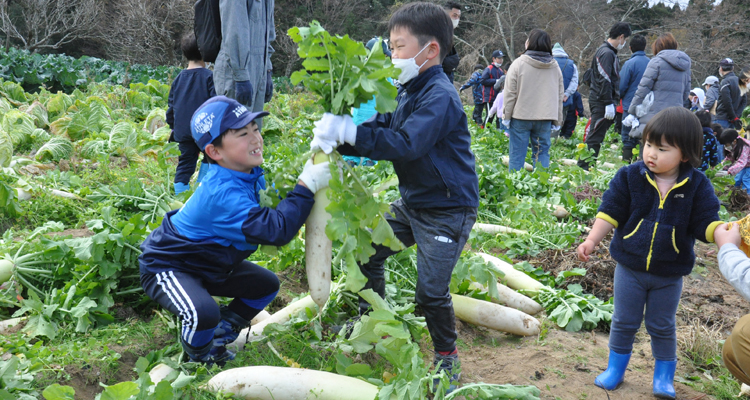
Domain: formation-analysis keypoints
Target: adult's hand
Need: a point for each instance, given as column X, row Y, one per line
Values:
column 243, row 91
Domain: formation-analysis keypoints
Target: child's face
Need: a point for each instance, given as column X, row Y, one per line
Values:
column 405, row 45
column 663, row 158
column 241, row 149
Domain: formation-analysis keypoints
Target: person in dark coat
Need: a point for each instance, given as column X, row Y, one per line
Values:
column 604, row 92
column 490, row 75
column 711, row 86
column 732, row 95
column 452, row 59
column 570, row 79
column 571, row 120
column 630, row 77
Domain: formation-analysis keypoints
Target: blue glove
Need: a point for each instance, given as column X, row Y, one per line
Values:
column 269, row 87
column 243, row 91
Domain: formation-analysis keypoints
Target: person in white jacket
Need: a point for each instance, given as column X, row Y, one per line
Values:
column 735, row 266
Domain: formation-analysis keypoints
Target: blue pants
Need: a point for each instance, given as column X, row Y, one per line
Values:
column 627, row 141
column 189, row 297
column 440, row 235
column 521, row 133
column 742, row 179
column 660, row 295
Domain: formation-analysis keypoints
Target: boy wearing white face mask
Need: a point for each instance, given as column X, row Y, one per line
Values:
column 450, row 63
column 427, row 138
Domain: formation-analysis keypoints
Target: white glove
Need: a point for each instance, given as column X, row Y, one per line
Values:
column 332, row 131
column 628, row 121
column 555, row 128
column 635, row 123
column 315, row 176
column 609, row 112
column 506, row 122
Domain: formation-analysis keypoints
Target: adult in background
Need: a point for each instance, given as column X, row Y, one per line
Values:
column 533, row 98
column 604, row 92
column 243, row 66
column 732, row 100
column 570, row 80
column 450, row 63
column 630, row 77
column 490, row 75
column 711, row 86
column 571, row 120
column 667, row 76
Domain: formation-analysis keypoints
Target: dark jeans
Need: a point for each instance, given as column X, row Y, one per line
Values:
column 627, row 141
column 570, row 123
column 189, row 154
column 597, row 131
column 188, row 296
column 478, row 111
column 660, row 295
column 440, row 235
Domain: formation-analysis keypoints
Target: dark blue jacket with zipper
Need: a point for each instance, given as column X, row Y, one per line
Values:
column 222, row 224
column 427, row 138
column 654, row 234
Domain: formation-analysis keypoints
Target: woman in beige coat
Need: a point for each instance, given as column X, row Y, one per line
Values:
column 533, row 101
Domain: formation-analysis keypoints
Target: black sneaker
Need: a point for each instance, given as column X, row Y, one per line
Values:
column 452, row 367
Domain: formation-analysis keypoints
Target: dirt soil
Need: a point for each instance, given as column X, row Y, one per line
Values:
column 563, row 365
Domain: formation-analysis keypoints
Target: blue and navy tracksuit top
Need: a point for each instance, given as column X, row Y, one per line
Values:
column 477, row 90
column 222, row 224
column 656, row 234
column 427, row 138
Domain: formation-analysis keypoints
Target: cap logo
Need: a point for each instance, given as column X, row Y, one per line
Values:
column 203, row 122
column 239, row 110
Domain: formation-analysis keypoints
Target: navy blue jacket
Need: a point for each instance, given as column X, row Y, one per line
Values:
column 630, row 76
column 427, row 138
column 190, row 89
column 490, row 75
column 654, row 234
column 578, row 103
column 222, row 224
column 475, row 82
column 568, row 69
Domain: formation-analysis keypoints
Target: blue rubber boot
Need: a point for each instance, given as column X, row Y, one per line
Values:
column 202, row 172
column 229, row 327
column 664, row 379
column 180, row 187
column 615, row 373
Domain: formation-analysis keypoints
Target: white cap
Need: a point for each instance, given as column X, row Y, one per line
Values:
column 711, row 80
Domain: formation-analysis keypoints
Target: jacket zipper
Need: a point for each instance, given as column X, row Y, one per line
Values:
column 658, row 214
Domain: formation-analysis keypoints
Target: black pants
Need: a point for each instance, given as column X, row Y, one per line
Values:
column 440, row 235
column 597, row 131
column 188, row 296
column 570, row 123
column 189, row 154
column 478, row 112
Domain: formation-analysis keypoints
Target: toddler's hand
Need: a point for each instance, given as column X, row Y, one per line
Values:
column 585, row 249
column 722, row 235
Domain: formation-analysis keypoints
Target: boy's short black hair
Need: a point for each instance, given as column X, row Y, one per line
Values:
column 427, row 22
column 704, row 117
column 678, row 127
column 451, row 5
column 728, row 136
column 620, row 28
column 479, row 67
column 539, row 40
column 189, row 47
column 637, row 43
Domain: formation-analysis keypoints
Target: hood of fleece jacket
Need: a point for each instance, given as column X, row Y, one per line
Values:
column 676, row 58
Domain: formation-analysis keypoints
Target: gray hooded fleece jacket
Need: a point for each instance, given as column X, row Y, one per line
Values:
column 668, row 76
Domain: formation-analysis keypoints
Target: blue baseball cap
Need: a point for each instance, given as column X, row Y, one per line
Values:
column 217, row 115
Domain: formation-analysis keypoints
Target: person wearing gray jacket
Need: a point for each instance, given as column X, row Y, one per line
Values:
column 667, row 76
column 243, row 65
column 735, row 267
column 711, row 86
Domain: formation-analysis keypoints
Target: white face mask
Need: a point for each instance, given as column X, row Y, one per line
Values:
column 455, row 23
column 408, row 66
column 621, row 45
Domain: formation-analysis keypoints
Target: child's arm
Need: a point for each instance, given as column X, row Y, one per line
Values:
column 733, row 263
column 704, row 216
column 741, row 162
column 600, row 229
column 714, row 152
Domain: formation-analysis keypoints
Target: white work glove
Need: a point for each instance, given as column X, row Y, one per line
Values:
column 635, row 123
column 555, row 128
column 628, row 121
column 609, row 112
column 332, row 131
column 316, row 176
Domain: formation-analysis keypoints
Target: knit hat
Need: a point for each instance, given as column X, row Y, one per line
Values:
column 557, row 47
column 216, row 116
column 710, row 80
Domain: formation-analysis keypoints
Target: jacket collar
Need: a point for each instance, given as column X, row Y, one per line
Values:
column 613, row 48
column 686, row 171
column 639, row 53
column 251, row 177
column 418, row 83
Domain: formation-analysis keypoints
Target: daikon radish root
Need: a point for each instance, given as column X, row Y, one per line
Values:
column 160, row 372
column 494, row 316
column 279, row 317
column 511, row 298
column 513, row 278
column 608, row 165
column 506, row 162
column 9, row 323
column 568, row 162
column 495, row 229
column 260, row 317
column 274, row 383
column 317, row 245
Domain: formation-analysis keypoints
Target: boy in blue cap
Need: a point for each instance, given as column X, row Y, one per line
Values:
column 427, row 138
column 199, row 251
